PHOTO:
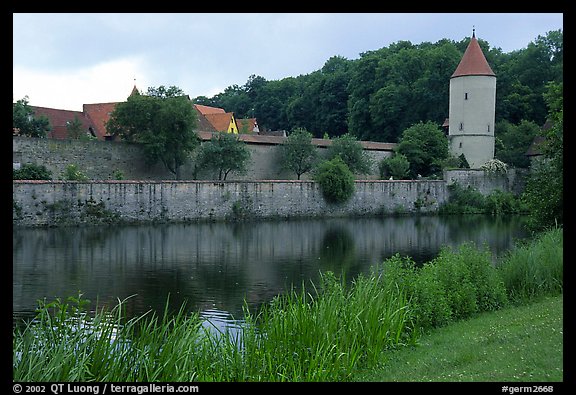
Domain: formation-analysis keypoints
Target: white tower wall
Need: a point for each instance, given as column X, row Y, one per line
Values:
column 472, row 117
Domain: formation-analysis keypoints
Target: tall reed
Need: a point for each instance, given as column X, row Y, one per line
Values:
column 536, row 269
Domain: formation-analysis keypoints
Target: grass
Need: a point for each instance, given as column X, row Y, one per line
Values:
column 522, row 343
column 332, row 332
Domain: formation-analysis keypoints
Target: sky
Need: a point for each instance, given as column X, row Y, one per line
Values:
column 65, row 60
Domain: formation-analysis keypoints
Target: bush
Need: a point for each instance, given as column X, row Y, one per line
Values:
column 498, row 202
column 495, row 166
column 463, row 200
column 31, row 171
column 396, row 166
column 453, row 286
column 72, row 173
column 336, row 180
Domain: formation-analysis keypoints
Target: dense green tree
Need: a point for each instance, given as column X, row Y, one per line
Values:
column 397, row 166
column 544, row 193
column 384, row 91
column 350, row 150
column 223, row 154
column 163, row 121
column 335, row 179
column 297, row 153
column 24, row 120
column 74, row 129
column 514, row 141
column 426, row 147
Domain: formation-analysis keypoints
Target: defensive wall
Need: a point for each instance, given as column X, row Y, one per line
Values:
column 57, row 203
column 102, row 160
column 148, row 200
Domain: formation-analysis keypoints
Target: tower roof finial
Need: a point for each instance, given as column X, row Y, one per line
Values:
column 473, row 31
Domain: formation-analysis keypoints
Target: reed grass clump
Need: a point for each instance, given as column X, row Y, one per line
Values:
column 456, row 284
column 536, row 269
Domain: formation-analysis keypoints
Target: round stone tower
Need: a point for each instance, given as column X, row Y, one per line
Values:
column 472, row 107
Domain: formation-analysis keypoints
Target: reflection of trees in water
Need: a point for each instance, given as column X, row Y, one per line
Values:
column 219, row 265
column 337, row 250
column 498, row 233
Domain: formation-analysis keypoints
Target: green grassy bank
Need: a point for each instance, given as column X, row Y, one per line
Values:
column 522, row 343
column 326, row 333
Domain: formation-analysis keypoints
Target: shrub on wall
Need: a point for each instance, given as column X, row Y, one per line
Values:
column 72, row 173
column 336, row 180
column 31, row 171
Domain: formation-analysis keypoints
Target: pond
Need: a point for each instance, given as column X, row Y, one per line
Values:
column 216, row 267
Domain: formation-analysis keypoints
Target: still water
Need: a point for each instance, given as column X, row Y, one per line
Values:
column 216, row 267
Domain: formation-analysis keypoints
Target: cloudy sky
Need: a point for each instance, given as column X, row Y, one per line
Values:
column 65, row 60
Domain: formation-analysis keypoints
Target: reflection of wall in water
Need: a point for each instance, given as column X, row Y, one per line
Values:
column 232, row 261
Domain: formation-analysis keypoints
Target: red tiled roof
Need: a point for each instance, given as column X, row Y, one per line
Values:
column 59, row 120
column 208, row 110
column 473, row 62
column 220, row 121
column 99, row 114
column 203, row 124
column 276, row 140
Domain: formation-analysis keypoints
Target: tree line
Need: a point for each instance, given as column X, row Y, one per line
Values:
column 385, row 91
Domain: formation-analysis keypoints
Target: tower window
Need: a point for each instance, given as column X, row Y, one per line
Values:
column 466, row 96
column 461, row 126
column 488, row 128
column 460, row 145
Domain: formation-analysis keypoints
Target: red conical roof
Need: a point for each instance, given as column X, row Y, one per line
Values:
column 473, row 62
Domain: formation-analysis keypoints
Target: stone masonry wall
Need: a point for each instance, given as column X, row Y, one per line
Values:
column 100, row 160
column 57, row 203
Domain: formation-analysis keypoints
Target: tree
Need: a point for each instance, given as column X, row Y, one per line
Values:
column 24, row 120
column 397, row 166
column 298, row 154
column 224, row 153
column 425, row 146
column 74, row 128
column 514, row 141
column 545, row 187
column 335, row 179
column 163, row 121
column 351, row 152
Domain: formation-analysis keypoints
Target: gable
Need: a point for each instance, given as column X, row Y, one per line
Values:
column 222, row 122
column 99, row 114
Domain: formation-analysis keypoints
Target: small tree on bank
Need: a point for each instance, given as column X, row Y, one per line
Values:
column 351, row 153
column 426, row 147
column 298, row 154
column 397, row 166
column 224, row 153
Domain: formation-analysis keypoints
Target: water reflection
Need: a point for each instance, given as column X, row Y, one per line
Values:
column 215, row 267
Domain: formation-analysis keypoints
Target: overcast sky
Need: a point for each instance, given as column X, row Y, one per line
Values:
column 66, row 60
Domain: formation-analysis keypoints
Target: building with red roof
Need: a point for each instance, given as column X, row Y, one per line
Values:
column 472, row 107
